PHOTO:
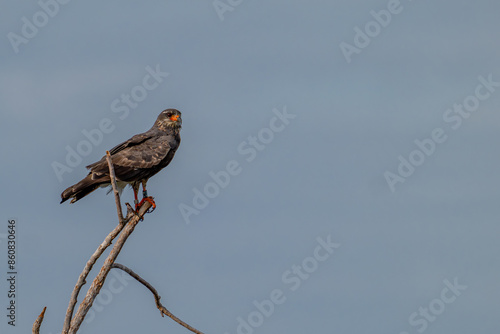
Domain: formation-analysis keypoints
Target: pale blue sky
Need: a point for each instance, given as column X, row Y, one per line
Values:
column 318, row 174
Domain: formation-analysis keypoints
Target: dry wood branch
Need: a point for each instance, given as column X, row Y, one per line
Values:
column 83, row 276
column 38, row 322
column 105, row 244
column 162, row 308
column 115, row 189
column 101, row 277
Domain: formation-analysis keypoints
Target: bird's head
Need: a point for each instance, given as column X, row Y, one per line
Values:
column 169, row 118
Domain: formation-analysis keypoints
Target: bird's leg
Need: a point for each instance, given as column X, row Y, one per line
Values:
column 146, row 198
column 135, row 187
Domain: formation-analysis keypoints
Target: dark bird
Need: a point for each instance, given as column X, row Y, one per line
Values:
column 135, row 160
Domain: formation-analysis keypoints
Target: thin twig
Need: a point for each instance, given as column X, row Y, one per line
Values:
column 101, row 277
column 38, row 322
column 162, row 308
column 115, row 189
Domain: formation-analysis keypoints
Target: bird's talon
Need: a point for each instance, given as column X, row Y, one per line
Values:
column 147, row 199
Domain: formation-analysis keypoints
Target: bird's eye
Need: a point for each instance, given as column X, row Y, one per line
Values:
column 169, row 114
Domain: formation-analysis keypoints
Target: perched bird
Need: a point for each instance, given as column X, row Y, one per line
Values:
column 135, row 160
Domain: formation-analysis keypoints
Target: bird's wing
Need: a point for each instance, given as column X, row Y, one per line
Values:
column 144, row 154
column 134, row 141
column 141, row 151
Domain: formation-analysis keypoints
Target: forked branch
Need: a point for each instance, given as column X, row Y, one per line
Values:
column 98, row 282
column 121, row 232
column 83, row 276
column 105, row 244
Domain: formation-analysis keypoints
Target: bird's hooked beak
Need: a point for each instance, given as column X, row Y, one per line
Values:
column 174, row 118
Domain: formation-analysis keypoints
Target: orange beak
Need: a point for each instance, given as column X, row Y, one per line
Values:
column 174, row 118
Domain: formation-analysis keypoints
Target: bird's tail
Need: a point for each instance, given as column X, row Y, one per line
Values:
column 83, row 188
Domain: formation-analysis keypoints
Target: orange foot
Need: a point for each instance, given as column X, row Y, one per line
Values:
column 146, row 199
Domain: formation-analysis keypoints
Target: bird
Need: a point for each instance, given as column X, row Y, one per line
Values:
column 134, row 161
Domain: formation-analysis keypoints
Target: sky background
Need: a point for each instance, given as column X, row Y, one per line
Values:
column 322, row 176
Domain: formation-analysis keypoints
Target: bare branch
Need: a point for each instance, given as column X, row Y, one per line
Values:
column 101, row 277
column 38, row 322
column 105, row 244
column 83, row 276
column 162, row 308
column 115, row 189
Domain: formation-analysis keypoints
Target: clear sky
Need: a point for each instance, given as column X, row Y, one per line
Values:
column 337, row 173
